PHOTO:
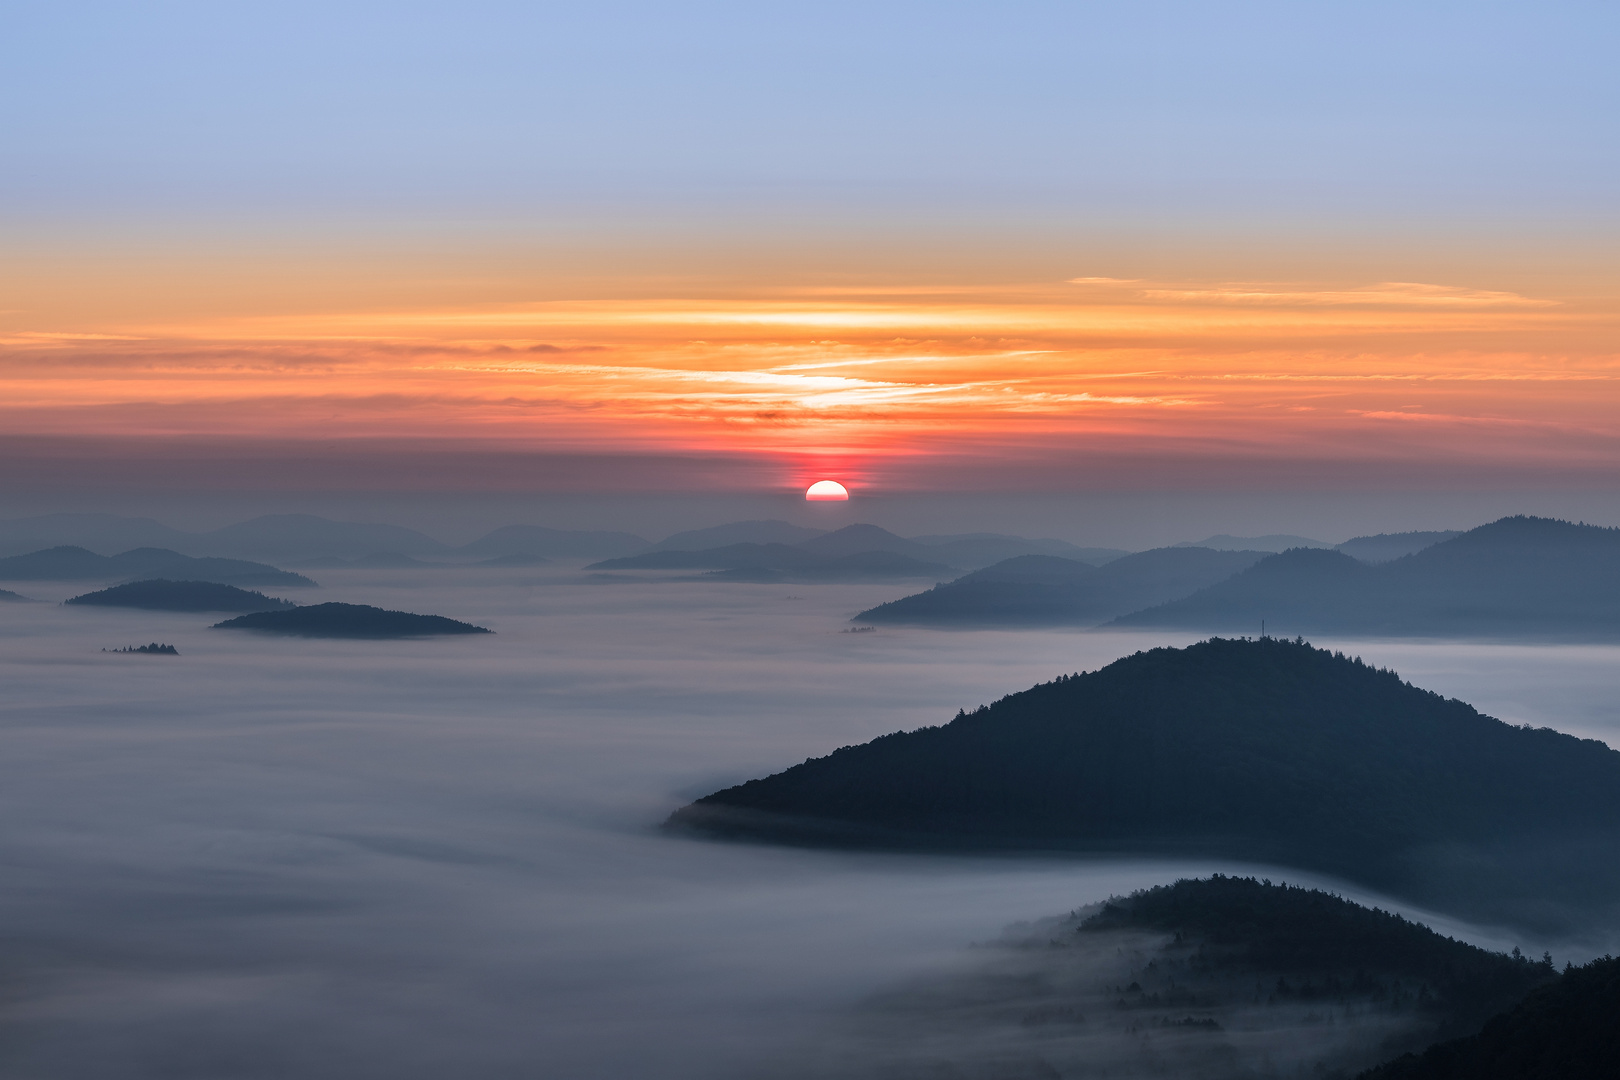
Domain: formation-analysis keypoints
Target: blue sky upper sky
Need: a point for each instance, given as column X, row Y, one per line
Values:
column 1354, row 111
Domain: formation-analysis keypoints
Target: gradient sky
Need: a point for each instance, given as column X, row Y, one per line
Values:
column 916, row 246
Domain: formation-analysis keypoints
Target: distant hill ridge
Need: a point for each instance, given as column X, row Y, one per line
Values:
column 69, row 563
column 1516, row 577
column 1262, row 749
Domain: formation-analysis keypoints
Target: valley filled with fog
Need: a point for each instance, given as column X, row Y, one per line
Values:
column 272, row 856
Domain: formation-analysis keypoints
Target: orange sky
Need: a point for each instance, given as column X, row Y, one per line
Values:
column 870, row 382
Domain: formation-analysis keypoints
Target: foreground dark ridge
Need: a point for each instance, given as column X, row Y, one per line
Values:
column 162, row 595
column 1262, row 749
column 1217, row 979
column 349, row 621
column 1569, row 1030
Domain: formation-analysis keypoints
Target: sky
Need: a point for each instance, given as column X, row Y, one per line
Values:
column 724, row 247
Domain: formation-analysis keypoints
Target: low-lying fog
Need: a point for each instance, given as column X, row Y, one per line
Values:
column 273, row 857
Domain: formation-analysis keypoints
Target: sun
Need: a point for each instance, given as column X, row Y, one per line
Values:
column 827, row 491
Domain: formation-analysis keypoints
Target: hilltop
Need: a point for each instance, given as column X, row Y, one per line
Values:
column 1265, row 749
column 349, row 621
column 160, row 595
column 1517, row 577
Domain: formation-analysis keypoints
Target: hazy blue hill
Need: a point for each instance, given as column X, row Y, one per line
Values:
column 1386, row 546
column 1272, row 542
column 104, row 532
column 746, row 556
column 306, row 536
column 738, row 532
column 1518, row 577
column 555, row 543
column 986, row 549
column 1043, row 590
column 157, row 594
column 77, row 564
column 858, row 539
column 1261, row 749
column 9, row 597
column 864, row 566
column 349, row 621
column 1568, row 1030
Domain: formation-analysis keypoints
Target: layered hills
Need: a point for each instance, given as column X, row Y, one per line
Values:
column 336, row 620
column 157, row 594
column 69, row 563
column 1044, row 589
column 1517, row 577
column 1262, row 749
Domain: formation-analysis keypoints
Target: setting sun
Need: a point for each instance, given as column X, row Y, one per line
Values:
column 827, row 491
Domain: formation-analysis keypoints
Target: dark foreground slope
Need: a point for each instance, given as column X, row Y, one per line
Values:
column 1261, row 749
column 349, row 621
column 1043, row 590
column 1569, row 1030
column 161, row 595
column 1520, row 577
column 1217, row 979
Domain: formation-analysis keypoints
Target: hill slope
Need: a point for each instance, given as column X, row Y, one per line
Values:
column 1569, row 1030
column 349, row 621
column 1260, row 749
column 1517, row 577
column 1044, row 590
column 158, row 594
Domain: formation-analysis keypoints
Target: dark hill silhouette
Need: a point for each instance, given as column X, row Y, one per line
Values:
column 1386, row 546
column 158, row 594
column 349, row 621
column 1042, row 590
column 1569, row 1030
column 9, row 597
column 1260, row 749
column 1517, row 577
column 77, row 564
column 154, row 649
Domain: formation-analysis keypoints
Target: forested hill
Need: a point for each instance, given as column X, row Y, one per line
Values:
column 1263, row 749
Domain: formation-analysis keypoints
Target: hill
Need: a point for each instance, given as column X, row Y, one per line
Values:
column 9, row 597
column 157, row 594
column 1514, row 578
column 1569, row 1030
column 1272, row 542
column 1386, row 546
column 1218, row 979
column 1264, row 749
column 349, row 621
column 78, row 564
column 1041, row 590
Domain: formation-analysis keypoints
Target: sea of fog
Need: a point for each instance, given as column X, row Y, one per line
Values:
column 279, row 857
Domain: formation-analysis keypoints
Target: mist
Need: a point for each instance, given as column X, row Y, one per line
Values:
column 273, row 857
